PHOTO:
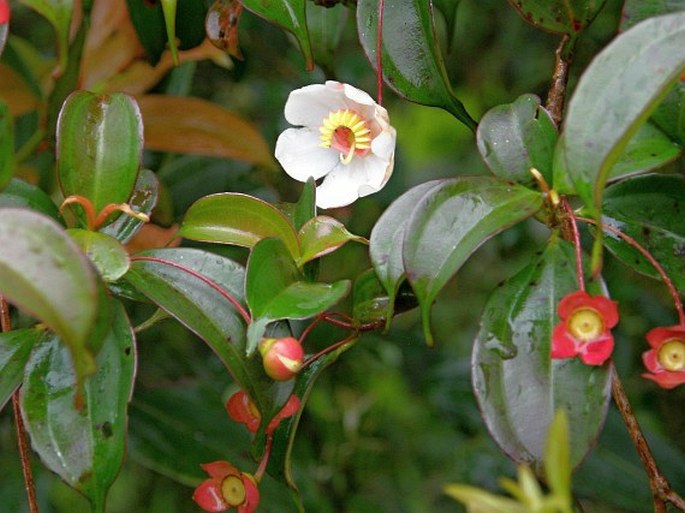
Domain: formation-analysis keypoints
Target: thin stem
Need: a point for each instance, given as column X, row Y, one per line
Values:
column 22, row 441
column 236, row 304
column 633, row 243
column 265, row 459
column 576, row 243
column 379, row 53
column 327, row 350
column 557, row 91
column 658, row 484
column 348, row 323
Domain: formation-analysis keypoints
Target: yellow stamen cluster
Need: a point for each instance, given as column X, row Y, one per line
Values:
column 671, row 355
column 233, row 490
column 346, row 131
column 586, row 324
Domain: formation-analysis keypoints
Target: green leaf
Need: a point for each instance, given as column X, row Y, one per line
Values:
column 19, row 193
column 143, row 200
column 557, row 458
column 238, row 219
column 58, row 13
column 326, row 27
column 607, row 108
column 450, row 222
column 107, row 254
column 562, row 16
column 43, row 272
column 650, row 210
column 15, row 349
column 518, row 386
column 86, row 446
column 276, row 290
column 99, row 147
column 6, row 144
column 670, row 114
column 180, row 281
column 169, row 11
column 387, row 239
column 634, row 11
column 412, row 62
column 448, row 8
column 369, row 298
column 305, row 208
column 290, row 15
column 148, row 20
column 648, row 149
column 516, row 137
column 322, row 235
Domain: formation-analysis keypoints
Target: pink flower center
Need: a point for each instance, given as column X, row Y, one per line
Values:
column 346, row 132
column 233, row 490
column 671, row 355
column 585, row 324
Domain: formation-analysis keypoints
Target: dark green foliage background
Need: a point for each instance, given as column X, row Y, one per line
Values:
column 392, row 422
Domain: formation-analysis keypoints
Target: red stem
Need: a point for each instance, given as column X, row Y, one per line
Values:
column 576, row 244
column 633, row 243
column 22, row 440
column 236, row 304
column 265, row 459
column 327, row 350
column 379, row 53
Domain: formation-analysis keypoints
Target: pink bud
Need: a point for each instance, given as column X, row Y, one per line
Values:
column 282, row 357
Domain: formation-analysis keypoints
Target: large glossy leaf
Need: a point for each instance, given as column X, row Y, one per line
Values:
column 291, row 16
column 276, row 290
column 563, row 16
column 58, row 13
column 326, row 26
column 412, row 62
column 634, row 11
column 183, row 281
column 143, row 200
column 148, row 21
column 19, row 193
column 607, row 107
column 192, row 125
column 387, row 239
column 450, row 222
column 105, row 252
column 322, row 235
column 518, row 386
column 650, row 210
column 99, row 147
column 15, row 349
column 239, row 219
column 650, row 148
column 43, row 272
column 6, row 145
column 516, row 137
column 448, row 8
column 85, row 446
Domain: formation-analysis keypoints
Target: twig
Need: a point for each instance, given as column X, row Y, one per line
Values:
column 22, row 441
column 658, row 484
column 557, row 91
column 576, row 243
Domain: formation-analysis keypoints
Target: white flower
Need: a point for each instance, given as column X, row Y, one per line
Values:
column 345, row 137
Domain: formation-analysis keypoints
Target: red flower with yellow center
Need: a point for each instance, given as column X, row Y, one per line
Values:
column 241, row 409
column 226, row 488
column 585, row 328
column 666, row 359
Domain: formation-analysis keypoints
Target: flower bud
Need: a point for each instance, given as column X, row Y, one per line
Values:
column 282, row 357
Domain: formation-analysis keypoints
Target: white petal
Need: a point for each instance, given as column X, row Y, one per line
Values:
column 345, row 183
column 298, row 151
column 356, row 95
column 384, row 145
column 310, row 105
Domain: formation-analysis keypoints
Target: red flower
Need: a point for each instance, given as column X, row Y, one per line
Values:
column 226, row 488
column 4, row 11
column 585, row 329
column 243, row 410
column 666, row 359
column 282, row 357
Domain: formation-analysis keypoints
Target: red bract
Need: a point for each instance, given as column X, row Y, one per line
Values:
column 666, row 359
column 226, row 488
column 585, row 328
column 282, row 357
column 241, row 409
